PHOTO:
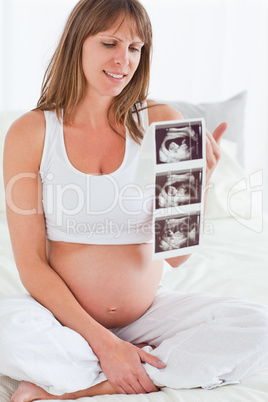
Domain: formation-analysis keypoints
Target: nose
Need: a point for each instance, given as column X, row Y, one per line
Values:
column 122, row 56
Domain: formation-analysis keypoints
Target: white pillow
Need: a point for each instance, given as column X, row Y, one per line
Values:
column 231, row 111
column 230, row 194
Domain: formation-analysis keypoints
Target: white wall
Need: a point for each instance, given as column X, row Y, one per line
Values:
column 209, row 50
column 30, row 29
column 204, row 51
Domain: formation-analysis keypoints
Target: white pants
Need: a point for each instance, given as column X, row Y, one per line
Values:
column 205, row 341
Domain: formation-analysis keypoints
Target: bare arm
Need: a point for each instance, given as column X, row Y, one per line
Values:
column 120, row 360
column 22, row 157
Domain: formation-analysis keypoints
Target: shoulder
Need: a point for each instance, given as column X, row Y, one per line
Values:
column 28, row 124
column 162, row 112
column 25, row 138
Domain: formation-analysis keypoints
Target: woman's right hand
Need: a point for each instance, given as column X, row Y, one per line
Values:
column 122, row 365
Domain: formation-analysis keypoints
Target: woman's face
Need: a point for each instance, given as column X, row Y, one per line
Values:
column 110, row 59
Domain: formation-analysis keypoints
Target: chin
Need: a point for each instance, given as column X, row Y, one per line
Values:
column 112, row 93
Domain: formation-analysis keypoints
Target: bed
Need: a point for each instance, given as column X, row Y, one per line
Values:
column 232, row 259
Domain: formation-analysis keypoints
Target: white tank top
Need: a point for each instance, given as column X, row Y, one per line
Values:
column 90, row 209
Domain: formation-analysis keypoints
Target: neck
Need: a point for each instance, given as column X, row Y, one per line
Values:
column 92, row 112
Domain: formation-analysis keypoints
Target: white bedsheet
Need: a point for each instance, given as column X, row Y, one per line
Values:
column 233, row 260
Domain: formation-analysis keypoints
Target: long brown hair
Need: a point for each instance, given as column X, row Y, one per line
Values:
column 64, row 81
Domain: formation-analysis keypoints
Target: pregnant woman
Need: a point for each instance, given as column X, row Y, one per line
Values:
column 96, row 319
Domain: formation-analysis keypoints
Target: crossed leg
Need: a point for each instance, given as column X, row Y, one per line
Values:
column 232, row 335
column 28, row 392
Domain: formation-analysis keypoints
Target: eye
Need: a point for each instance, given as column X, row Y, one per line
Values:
column 108, row 44
column 134, row 49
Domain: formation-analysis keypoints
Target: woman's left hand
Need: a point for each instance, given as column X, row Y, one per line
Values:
column 213, row 149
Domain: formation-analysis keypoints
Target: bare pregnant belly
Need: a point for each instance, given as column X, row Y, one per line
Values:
column 114, row 284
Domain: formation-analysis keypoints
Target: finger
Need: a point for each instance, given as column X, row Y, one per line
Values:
column 139, row 389
column 212, row 148
column 132, row 385
column 145, row 381
column 150, row 359
column 211, row 153
column 219, row 131
column 119, row 389
column 129, row 389
column 136, row 387
column 147, row 384
column 211, row 140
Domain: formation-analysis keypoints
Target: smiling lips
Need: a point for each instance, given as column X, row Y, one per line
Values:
column 116, row 76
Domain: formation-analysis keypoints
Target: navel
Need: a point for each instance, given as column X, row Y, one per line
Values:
column 112, row 310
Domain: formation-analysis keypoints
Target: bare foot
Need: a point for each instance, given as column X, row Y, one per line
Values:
column 28, row 392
